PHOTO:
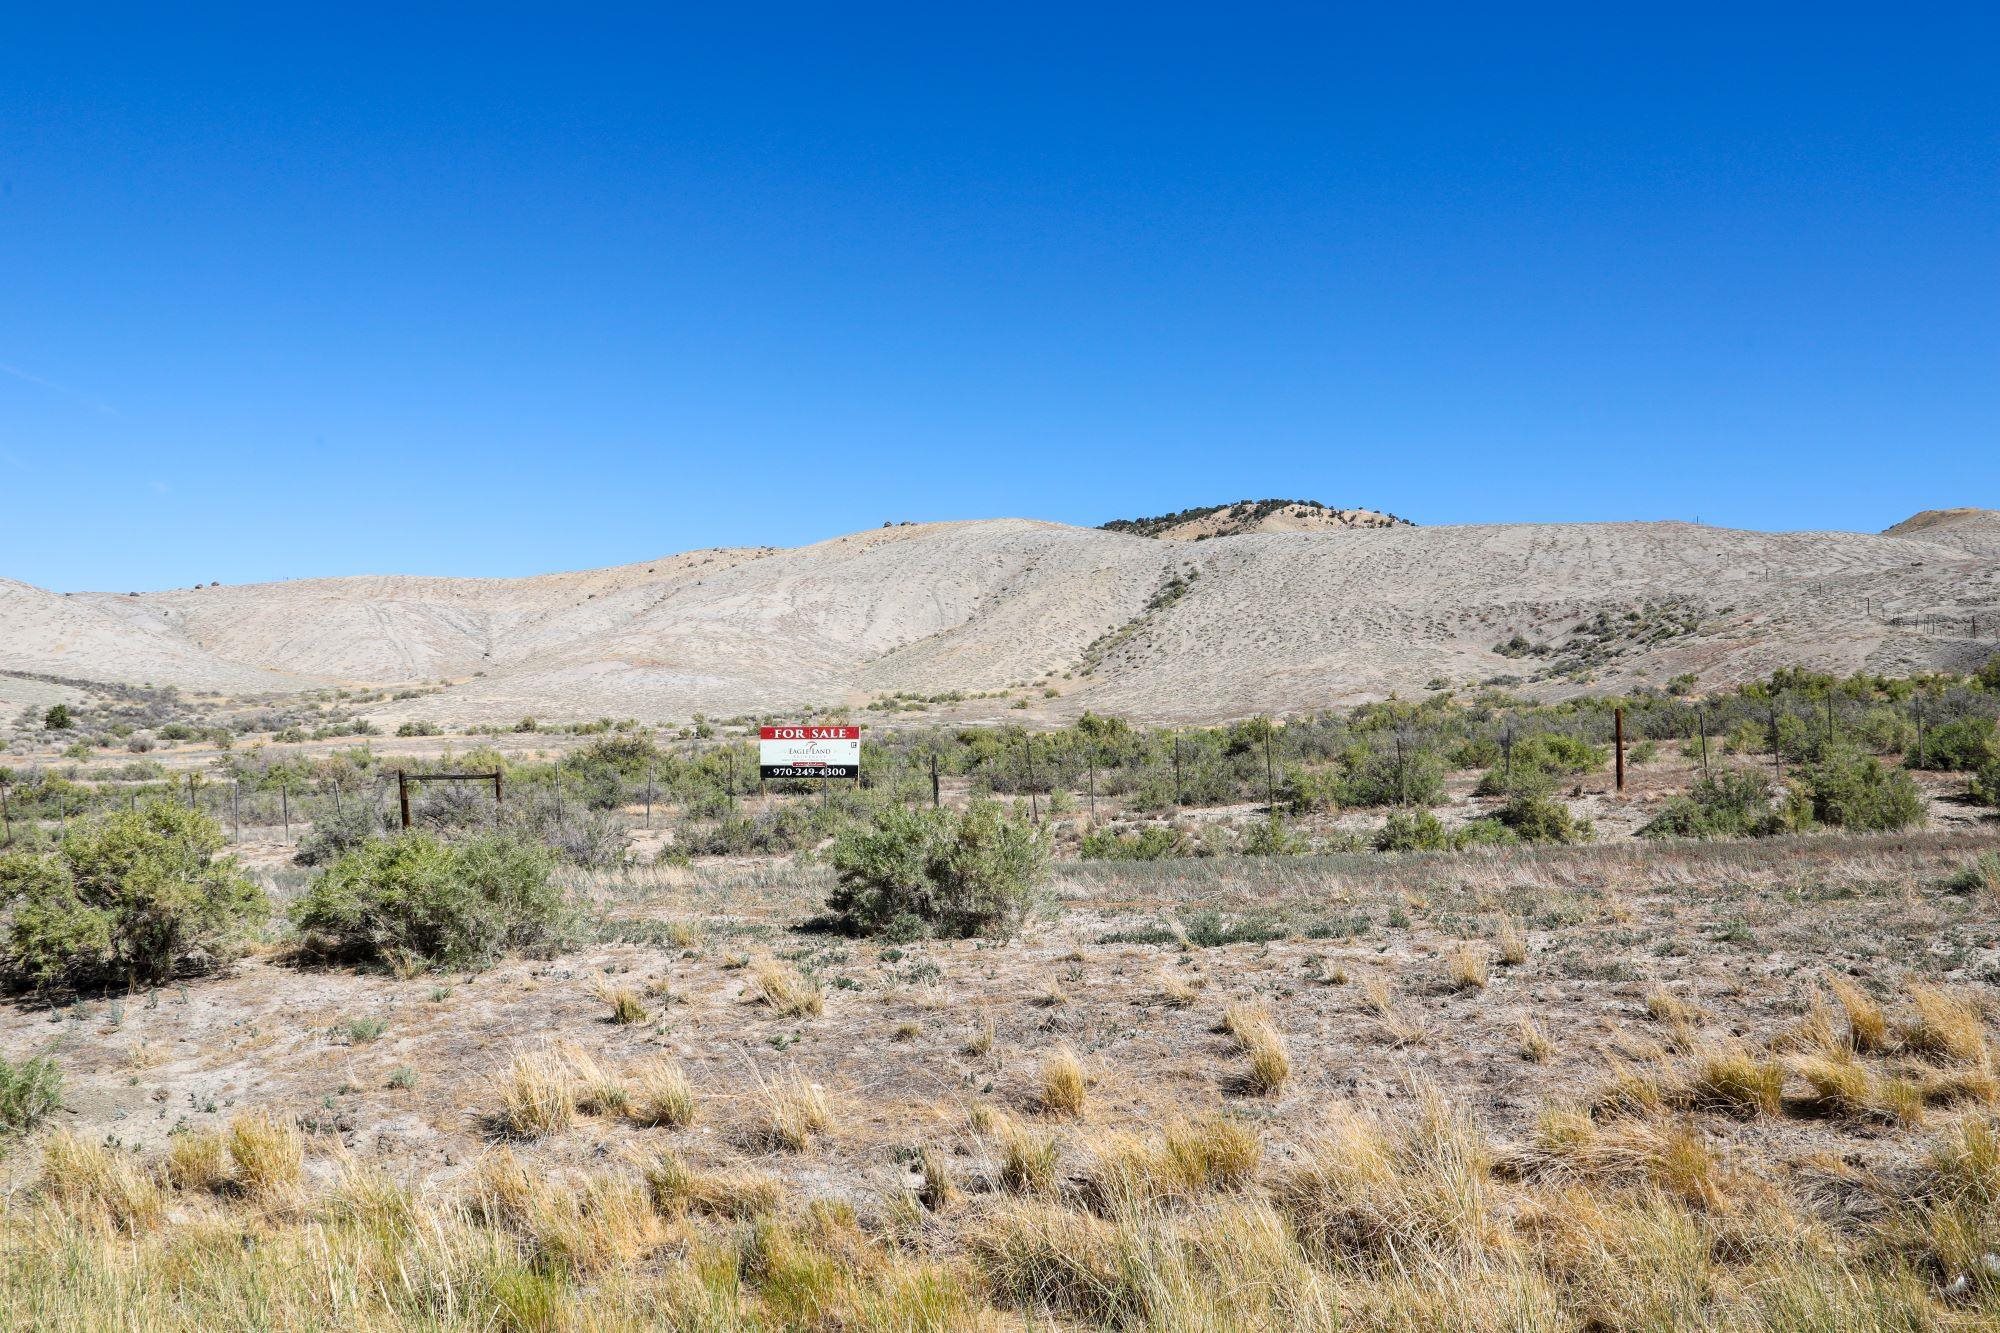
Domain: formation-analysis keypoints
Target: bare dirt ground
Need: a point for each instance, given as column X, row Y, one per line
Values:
column 407, row 1071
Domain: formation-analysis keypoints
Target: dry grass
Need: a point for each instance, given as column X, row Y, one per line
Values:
column 789, row 994
column 661, row 1095
column 1258, row 1037
column 1063, row 1087
column 1947, row 1026
column 1867, row 1025
column 1027, row 1158
column 1511, row 942
column 1466, row 967
column 675, row 1187
column 1397, row 1027
column 539, row 1095
column 1663, row 1006
column 795, row 1113
column 1534, row 1044
column 1728, row 1078
column 197, row 1160
column 269, row 1154
column 625, row 1005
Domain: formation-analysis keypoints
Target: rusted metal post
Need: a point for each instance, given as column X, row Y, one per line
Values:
column 1701, row 718
column 496, row 787
column 1270, row 776
column 649, row 793
column 191, row 804
column 1092, row 761
column 1618, row 735
column 936, row 790
column 235, row 813
column 403, row 795
column 6, row 815
column 285, row 808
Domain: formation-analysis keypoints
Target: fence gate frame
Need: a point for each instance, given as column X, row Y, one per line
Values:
column 404, row 779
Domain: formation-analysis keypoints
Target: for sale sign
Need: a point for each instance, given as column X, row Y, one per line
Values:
column 809, row 752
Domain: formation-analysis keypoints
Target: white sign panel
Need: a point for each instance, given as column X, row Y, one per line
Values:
column 809, row 752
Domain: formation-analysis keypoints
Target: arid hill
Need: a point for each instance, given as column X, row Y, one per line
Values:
column 1246, row 516
column 1066, row 618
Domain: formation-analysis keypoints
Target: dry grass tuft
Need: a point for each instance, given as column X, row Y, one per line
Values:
column 979, row 1043
column 1258, row 1036
column 1175, row 992
column 1027, row 1159
column 1535, row 1044
column 1843, row 1086
column 91, row 1180
column 1663, row 1006
column 1465, row 967
column 939, row 1190
column 661, row 1095
column 197, row 1160
column 1128, row 1173
column 795, row 1112
column 539, row 1096
column 1728, row 1078
column 269, row 1154
column 1397, row 1027
column 1947, row 1026
column 1063, row 1086
column 789, row 994
column 626, row 1007
column 674, row 1188
column 1513, row 945
column 1867, row 1025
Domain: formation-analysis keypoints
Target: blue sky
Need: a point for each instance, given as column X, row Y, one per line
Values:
column 495, row 292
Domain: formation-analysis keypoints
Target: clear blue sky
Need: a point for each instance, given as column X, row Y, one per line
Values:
column 287, row 294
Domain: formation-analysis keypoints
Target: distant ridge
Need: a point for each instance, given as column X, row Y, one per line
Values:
column 1276, row 606
column 1231, row 520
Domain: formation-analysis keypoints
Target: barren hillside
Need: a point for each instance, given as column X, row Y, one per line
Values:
column 1065, row 618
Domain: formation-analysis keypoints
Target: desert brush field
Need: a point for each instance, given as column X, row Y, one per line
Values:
column 1403, row 1016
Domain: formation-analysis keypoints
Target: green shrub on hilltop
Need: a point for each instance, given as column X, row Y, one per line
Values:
column 415, row 899
column 130, row 897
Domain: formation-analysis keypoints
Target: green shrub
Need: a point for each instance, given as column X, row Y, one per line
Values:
column 414, row 899
column 1414, row 831
column 1538, row 761
column 1962, row 745
column 1269, row 837
column 58, row 718
column 975, row 873
column 1154, row 842
column 1534, row 817
column 29, row 1091
column 134, row 897
column 1382, row 777
column 1986, row 784
column 1723, row 805
column 335, row 835
column 1846, row 789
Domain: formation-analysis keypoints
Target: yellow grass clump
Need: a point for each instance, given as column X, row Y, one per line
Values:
column 1465, row 967
column 269, row 1154
column 1063, row 1086
column 661, row 1095
column 789, row 994
column 539, row 1095
column 795, row 1112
